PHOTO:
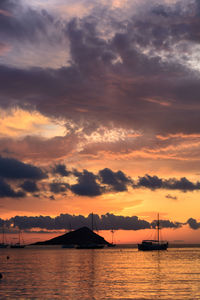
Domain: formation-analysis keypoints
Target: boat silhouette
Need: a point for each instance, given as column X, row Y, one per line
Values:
column 112, row 243
column 150, row 245
column 18, row 244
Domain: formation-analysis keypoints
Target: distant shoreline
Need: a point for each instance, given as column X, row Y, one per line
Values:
column 118, row 246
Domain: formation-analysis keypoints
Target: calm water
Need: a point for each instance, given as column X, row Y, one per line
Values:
column 99, row 274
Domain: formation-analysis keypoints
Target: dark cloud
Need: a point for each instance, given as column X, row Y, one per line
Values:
column 182, row 184
column 193, row 223
column 58, row 187
column 11, row 168
column 36, row 195
column 166, row 224
column 111, row 221
column 8, row 5
column 66, row 221
column 113, row 71
column 7, row 191
column 61, row 170
column 154, row 182
column 103, row 222
column 87, row 185
column 117, row 180
column 90, row 184
column 24, row 23
column 168, row 196
column 29, row 186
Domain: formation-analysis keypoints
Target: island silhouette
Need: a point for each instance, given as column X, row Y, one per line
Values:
column 81, row 238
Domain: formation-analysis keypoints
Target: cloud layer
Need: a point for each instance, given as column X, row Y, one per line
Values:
column 18, row 178
column 103, row 222
column 125, row 64
column 122, row 79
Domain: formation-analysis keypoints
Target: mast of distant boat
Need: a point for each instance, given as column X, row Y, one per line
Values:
column 112, row 231
column 19, row 236
column 158, row 228
column 3, row 237
column 92, row 221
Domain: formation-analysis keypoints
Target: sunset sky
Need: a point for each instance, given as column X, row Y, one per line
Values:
column 100, row 112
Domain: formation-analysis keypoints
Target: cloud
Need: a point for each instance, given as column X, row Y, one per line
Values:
column 87, row 185
column 183, row 184
column 3, row 47
column 61, row 170
column 118, row 73
column 11, row 168
column 67, row 221
column 154, row 182
column 193, row 223
column 110, row 221
column 166, row 224
column 58, row 187
column 29, row 186
column 35, row 148
column 7, row 191
column 117, row 180
column 168, row 196
column 107, row 221
column 112, row 67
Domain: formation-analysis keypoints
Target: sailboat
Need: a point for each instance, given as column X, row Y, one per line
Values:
column 3, row 244
column 112, row 243
column 149, row 245
column 18, row 245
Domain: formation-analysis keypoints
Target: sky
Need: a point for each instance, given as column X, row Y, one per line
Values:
column 99, row 112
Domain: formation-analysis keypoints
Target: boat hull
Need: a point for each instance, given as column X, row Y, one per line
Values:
column 17, row 246
column 111, row 245
column 152, row 247
column 3, row 246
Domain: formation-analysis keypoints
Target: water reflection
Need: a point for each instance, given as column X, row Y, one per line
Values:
column 100, row 274
column 88, row 272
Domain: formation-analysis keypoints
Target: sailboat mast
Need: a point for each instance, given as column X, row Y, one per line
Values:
column 3, row 234
column 158, row 228
column 92, row 222
column 112, row 231
column 19, row 237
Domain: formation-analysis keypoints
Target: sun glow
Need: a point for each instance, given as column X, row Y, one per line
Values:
column 19, row 123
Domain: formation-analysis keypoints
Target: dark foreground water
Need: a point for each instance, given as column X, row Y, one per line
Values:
column 99, row 274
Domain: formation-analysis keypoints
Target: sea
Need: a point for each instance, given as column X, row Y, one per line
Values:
column 109, row 273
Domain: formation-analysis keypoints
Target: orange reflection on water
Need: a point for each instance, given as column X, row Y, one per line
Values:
column 118, row 273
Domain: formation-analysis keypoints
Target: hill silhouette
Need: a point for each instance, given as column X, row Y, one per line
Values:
column 81, row 236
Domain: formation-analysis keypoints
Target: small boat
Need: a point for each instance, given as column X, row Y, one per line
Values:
column 2, row 245
column 18, row 244
column 111, row 245
column 149, row 245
